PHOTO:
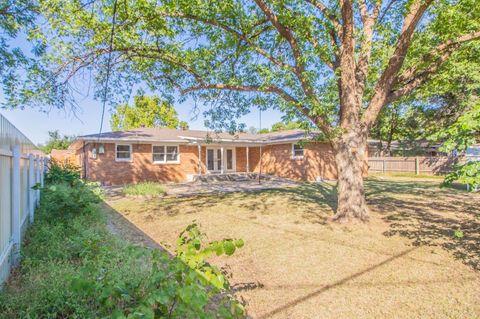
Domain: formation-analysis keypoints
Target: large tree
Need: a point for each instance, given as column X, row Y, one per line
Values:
column 335, row 64
column 146, row 111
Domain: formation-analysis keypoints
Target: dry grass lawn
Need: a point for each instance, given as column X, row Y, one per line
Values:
column 405, row 263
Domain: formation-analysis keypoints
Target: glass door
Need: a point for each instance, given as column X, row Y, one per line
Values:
column 229, row 159
column 210, row 160
column 214, row 159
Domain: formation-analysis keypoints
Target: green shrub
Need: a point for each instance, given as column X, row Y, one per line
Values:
column 143, row 189
column 62, row 173
column 73, row 267
column 468, row 173
column 62, row 200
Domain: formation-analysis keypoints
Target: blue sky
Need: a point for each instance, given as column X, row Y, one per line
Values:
column 35, row 123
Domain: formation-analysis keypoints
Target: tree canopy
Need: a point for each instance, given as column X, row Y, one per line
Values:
column 15, row 16
column 283, row 126
column 333, row 64
column 146, row 111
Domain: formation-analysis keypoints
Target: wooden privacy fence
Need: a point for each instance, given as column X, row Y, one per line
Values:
column 417, row 165
column 21, row 167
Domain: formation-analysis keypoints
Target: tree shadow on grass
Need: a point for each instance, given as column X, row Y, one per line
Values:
column 429, row 215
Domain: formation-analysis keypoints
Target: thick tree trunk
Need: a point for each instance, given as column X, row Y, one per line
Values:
column 350, row 156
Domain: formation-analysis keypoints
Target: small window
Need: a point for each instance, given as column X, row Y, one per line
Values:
column 165, row 154
column 158, row 154
column 123, row 152
column 297, row 151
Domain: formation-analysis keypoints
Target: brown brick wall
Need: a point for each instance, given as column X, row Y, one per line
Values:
column 277, row 159
column 318, row 160
column 110, row 172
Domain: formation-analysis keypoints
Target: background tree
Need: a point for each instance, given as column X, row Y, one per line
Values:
column 333, row 64
column 283, row 126
column 56, row 141
column 463, row 133
column 183, row 125
column 146, row 111
column 252, row 130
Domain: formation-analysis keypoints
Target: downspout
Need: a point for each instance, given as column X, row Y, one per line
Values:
column 85, row 160
column 260, row 164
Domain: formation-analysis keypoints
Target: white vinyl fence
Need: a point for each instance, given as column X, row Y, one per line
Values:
column 22, row 166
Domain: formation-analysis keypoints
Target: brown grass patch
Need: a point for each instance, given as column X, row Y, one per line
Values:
column 405, row 263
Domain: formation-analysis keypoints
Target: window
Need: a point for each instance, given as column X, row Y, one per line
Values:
column 123, row 152
column 297, row 151
column 165, row 154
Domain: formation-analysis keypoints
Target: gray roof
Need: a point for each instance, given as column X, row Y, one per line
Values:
column 174, row 135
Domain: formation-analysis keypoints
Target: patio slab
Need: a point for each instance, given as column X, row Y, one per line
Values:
column 227, row 186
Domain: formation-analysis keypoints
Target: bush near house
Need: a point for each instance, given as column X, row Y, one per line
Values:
column 73, row 267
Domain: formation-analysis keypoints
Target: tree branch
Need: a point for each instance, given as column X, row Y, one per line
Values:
column 285, row 33
column 412, row 78
column 328, row 14
column 448, row 46
column 387, row 79
column 241, row 36
column 348, row 101
column 366, row 45
column 242, row 88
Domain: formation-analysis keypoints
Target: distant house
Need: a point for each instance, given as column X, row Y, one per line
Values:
column 169, row 155
column 473, row 153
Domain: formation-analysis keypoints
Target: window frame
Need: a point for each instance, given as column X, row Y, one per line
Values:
column 165, row 161
column 130, row 159
column 294, row 156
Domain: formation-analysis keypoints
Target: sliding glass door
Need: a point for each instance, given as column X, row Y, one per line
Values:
column 215, row 162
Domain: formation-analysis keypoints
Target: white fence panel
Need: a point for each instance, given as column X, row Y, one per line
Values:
column 21, row 167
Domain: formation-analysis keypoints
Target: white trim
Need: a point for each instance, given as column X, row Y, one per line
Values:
column 124, row 159
column 165, row 162
column 297, row 157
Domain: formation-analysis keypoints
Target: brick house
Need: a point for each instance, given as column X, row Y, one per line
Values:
column 169, row 155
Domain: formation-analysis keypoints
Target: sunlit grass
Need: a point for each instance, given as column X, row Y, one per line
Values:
column 144, row 188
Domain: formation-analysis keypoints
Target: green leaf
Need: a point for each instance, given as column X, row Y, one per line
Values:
column 229, row 247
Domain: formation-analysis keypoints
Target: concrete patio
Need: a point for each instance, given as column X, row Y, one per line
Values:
column 225, row 183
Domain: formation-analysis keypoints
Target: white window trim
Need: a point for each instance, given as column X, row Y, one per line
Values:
column 124, row 159
column 165, row 162
column 297, row 156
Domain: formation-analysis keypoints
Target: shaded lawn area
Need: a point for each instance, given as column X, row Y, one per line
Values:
column 405, row 263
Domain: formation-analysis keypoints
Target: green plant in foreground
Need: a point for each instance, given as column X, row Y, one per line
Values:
column 458, row 233
column 192, row 251
column 143, row 189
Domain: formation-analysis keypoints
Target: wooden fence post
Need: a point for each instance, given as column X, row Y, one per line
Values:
column 417, row 166
column 31, row 183
column 16, row 205
column 383, row 166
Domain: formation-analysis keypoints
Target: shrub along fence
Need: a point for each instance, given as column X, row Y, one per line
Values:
column 418, row 165
column 22, row 166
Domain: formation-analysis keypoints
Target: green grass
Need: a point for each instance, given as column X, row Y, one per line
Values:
column 407, row 175
column 143, row 189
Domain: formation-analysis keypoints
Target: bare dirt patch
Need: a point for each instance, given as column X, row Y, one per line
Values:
column 405, row 263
